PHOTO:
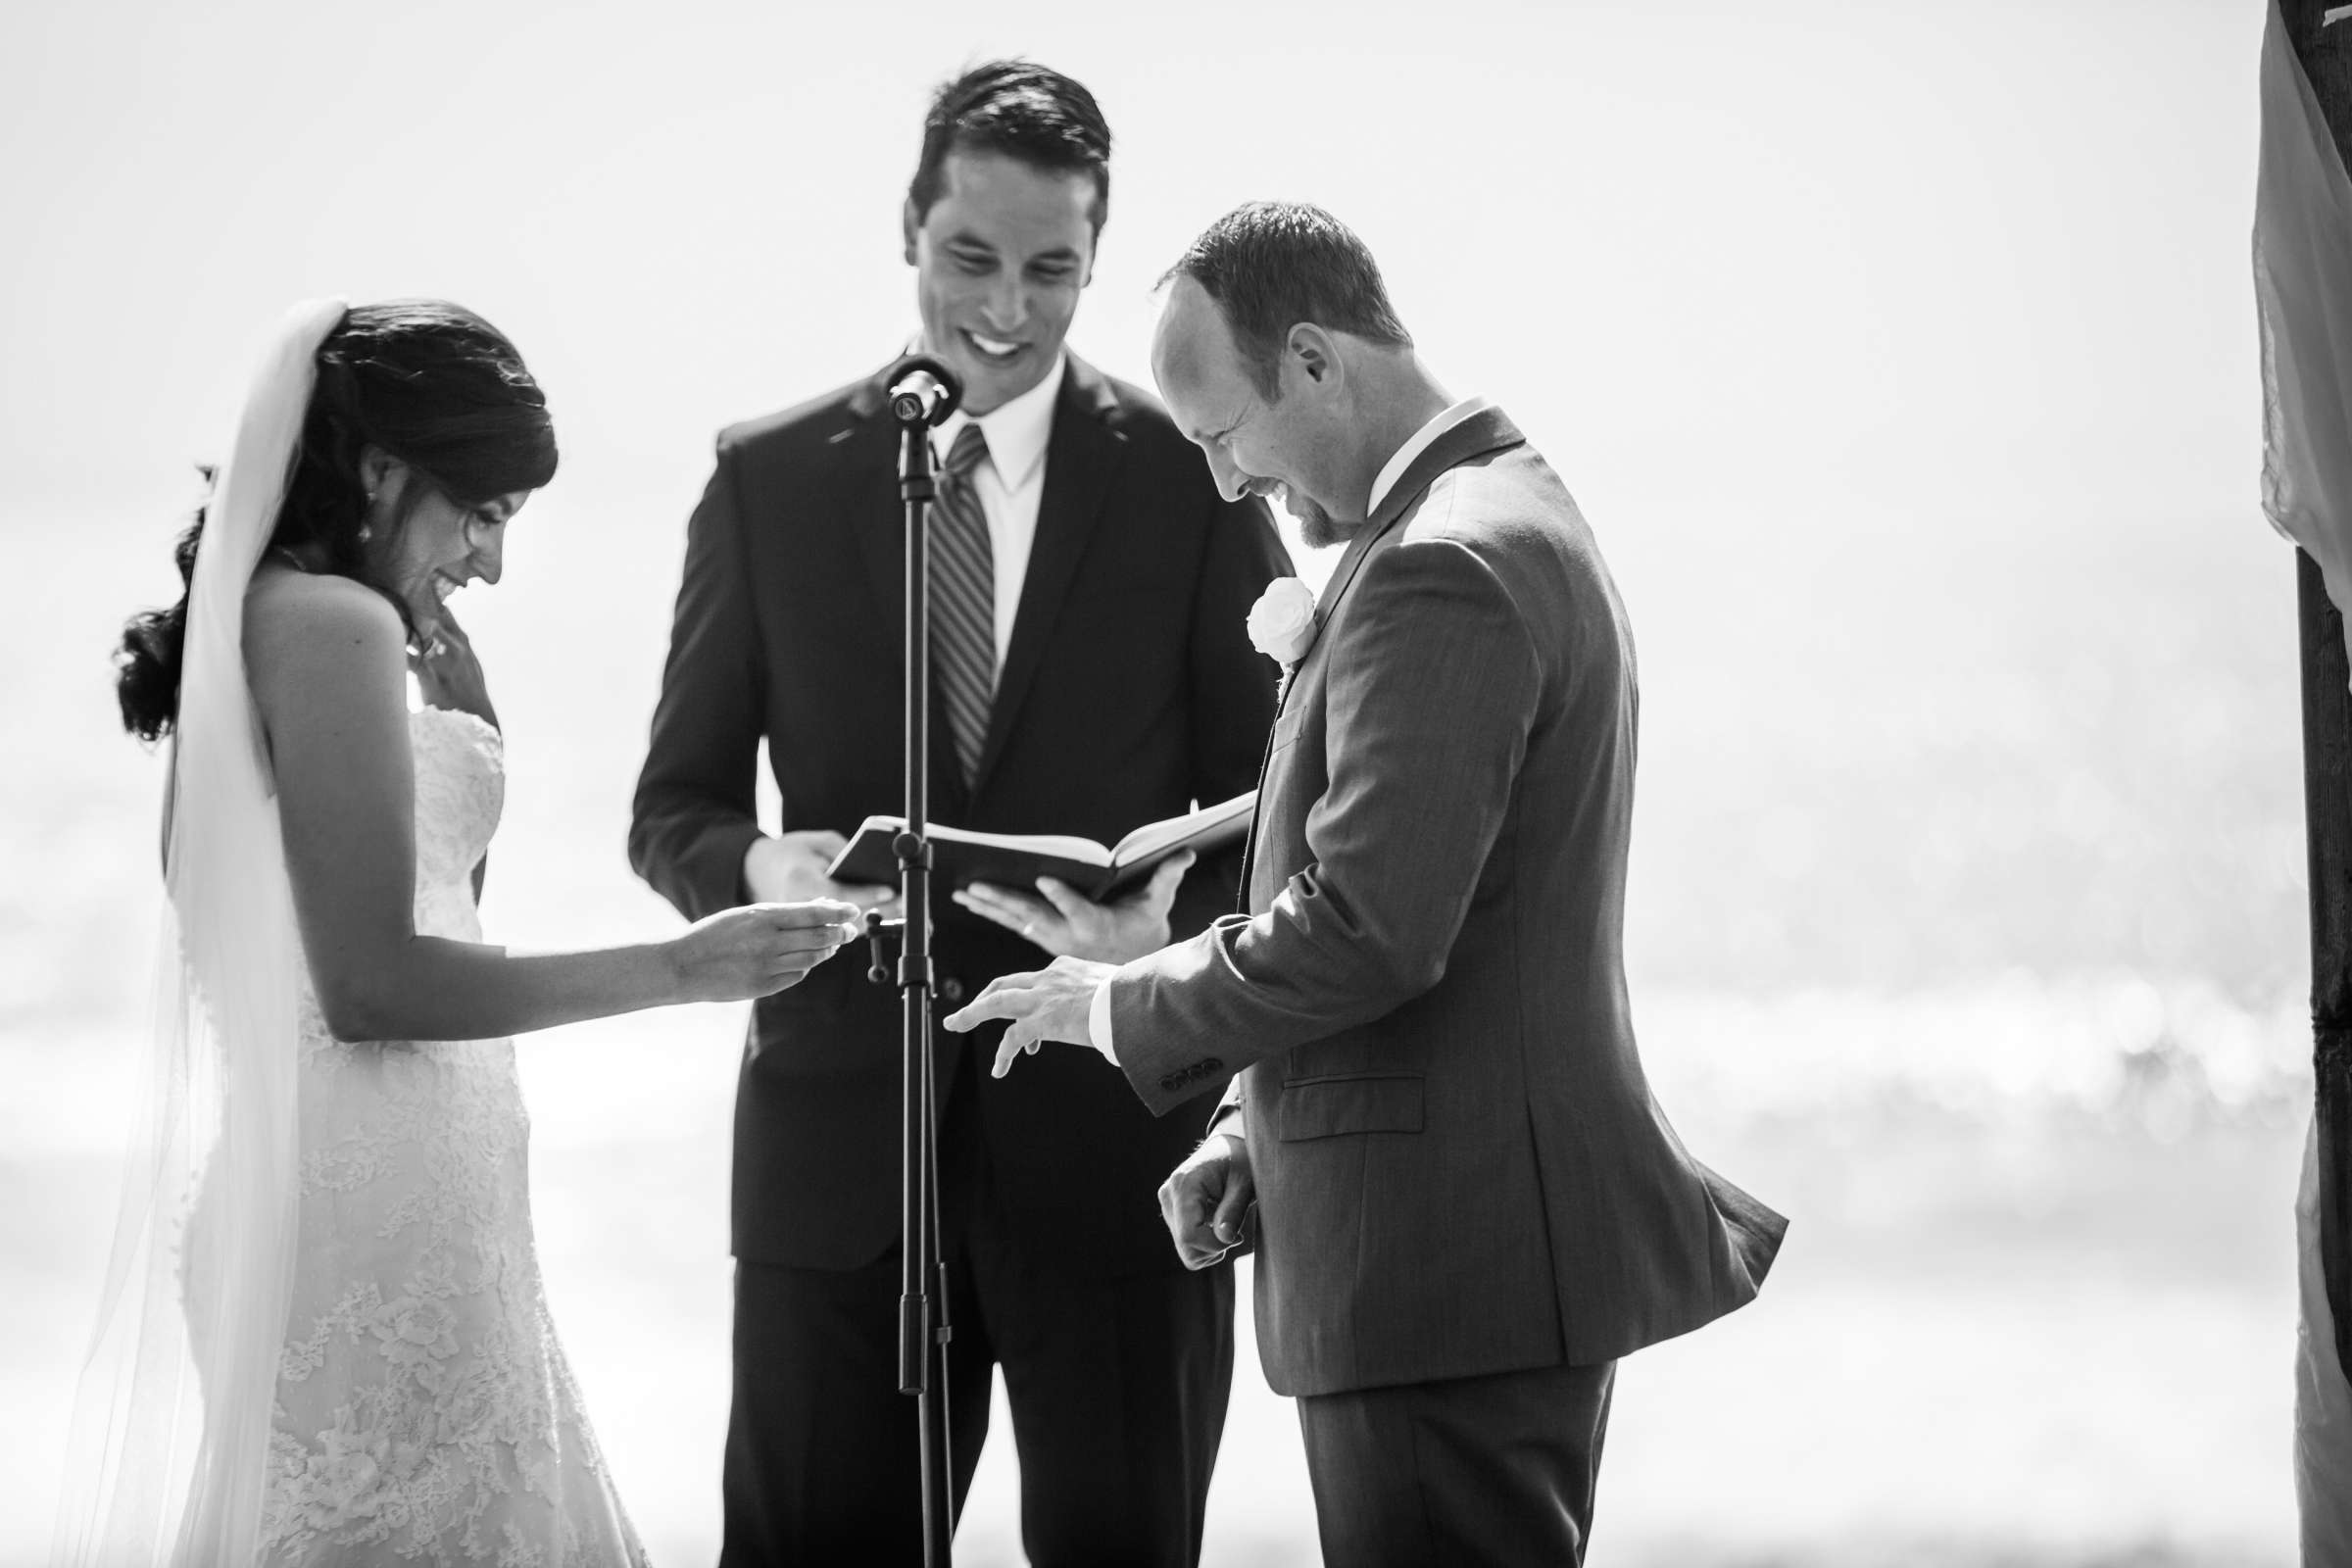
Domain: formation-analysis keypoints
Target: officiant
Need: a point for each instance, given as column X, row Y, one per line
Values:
column 1090, row 673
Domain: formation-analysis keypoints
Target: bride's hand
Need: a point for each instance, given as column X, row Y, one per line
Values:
column 448, row 674
column 760, row 948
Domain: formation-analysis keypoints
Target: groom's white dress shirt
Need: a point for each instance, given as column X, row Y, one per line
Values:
column 1010, row 484
column 1097, row 1013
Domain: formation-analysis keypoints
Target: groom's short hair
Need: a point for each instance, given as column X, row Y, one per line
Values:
column 1022, row 110
column 1270, row 266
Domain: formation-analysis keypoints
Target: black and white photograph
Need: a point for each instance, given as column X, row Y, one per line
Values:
column 1202, row 786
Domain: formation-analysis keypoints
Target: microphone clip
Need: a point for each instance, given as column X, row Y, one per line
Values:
column 923, row 392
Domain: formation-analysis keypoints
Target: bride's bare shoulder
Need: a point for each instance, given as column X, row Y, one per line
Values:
column 321, row 626
column 286, row 605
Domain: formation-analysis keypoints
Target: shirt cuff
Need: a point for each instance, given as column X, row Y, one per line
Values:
column 1097, row 1023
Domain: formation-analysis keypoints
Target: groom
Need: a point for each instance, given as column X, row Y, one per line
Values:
column 1467, row 1203
column 1091, row 675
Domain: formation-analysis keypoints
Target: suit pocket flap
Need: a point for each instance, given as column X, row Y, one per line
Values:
column 1326, row 1107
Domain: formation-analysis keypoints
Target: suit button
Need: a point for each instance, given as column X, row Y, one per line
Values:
column 1172, row 1082
column 951, row 991
column 1210, row 1065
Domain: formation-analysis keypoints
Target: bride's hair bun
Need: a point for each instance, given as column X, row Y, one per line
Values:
column 147, row 666
column 426, row 381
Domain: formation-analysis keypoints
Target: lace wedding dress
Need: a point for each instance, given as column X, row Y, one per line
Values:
column 424, row 1412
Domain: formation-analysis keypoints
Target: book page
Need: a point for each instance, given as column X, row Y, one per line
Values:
column 1051, row 846
column 1057, row 846
column 1153, row 837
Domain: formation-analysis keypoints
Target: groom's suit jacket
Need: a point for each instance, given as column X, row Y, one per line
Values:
column 1129, row 691
column 1461, row 1168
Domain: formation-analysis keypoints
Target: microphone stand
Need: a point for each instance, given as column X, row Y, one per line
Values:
column 923, row 1329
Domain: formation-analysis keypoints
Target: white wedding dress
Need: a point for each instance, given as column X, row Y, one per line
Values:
column 423, row 1412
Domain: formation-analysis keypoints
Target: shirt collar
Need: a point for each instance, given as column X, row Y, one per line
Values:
column 1420, row 441
column 1016, row 431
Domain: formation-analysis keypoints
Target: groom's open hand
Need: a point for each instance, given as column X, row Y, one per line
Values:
column 1049, row 1003
column 1207, row 1201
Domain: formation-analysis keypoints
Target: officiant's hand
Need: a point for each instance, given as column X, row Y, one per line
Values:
column 1067, row 924
column 1208, row 1200
column 790, row 869
column 1049, row 1004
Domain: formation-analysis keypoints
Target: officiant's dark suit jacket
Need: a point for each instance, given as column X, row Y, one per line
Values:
column 1461, row 1168
column 1129, row 691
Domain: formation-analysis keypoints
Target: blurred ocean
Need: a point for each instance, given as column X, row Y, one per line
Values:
column 1966, row 929
column 2011, row 830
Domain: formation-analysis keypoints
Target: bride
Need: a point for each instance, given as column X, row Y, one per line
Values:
column 323, row 1338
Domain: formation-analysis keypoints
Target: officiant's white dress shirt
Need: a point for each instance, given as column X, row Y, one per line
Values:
column 1097, row 1013
column 1010, row 484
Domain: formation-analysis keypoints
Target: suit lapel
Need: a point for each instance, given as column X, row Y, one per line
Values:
column 1082, row 459
column 868, row 447
column 869, row 477
column 1265, row 765
column 1488, row 431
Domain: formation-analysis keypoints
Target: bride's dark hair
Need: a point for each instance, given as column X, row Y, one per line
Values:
column 428, row 381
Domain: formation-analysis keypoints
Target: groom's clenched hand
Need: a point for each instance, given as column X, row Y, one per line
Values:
column 1207, row 1201
column 1042, row 1005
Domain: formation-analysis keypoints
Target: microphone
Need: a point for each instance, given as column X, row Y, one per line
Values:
column 923, row 391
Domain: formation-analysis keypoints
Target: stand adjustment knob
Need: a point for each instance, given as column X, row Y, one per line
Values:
column 882, row 940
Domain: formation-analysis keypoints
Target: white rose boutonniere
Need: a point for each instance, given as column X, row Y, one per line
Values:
column 1282, row 623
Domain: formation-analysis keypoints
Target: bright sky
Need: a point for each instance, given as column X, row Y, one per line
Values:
column 1797, row 244
column 1901, row 353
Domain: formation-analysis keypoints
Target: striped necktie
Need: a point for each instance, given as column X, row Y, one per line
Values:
column 963, row 601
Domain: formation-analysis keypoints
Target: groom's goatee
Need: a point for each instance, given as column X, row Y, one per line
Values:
column 1317, row 528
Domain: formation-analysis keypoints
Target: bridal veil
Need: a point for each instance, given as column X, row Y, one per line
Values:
column 168, row 1451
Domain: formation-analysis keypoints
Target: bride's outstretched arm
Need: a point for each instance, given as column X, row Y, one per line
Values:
column 326, row 658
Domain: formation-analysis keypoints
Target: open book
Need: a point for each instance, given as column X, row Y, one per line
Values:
column 961, row 856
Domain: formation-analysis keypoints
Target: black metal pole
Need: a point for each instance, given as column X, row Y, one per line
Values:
column 2324, row 53
column 923, row 1316
column 2327, row 842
